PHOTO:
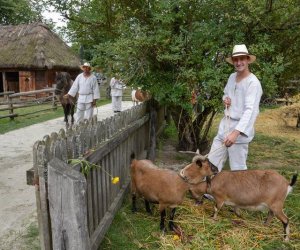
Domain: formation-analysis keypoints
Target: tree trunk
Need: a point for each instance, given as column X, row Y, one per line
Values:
column 192, row 132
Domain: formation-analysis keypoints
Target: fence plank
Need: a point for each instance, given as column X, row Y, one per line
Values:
column 67, row 201
column 99, row 233
column 115, row 141
column 39, row 161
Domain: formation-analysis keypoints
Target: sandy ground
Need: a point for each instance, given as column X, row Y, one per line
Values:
column 17, row 199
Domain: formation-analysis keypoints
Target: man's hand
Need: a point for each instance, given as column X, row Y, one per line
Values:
column 66, row 96
column 227, row 101
column 231, row 138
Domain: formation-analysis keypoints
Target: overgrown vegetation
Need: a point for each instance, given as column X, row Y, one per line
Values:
column 176, row 49
column 140, row 231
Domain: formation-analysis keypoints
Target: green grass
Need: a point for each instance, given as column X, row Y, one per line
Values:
column 31, row 237
column 7, row 125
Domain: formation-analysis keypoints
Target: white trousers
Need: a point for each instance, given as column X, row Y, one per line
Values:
column 237, row 154
column 116, row 103
column 84, row 111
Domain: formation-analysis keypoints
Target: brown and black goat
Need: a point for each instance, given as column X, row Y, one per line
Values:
column 166, row 187
column 249, row 189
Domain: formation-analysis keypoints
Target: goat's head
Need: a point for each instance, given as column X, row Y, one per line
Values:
column 198, row 169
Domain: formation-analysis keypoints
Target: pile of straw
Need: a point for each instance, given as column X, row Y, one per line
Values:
column 200, row 231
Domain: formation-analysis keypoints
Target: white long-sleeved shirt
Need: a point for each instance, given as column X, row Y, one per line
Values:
column 86, row 87
column 245, row 98
column 116, row 87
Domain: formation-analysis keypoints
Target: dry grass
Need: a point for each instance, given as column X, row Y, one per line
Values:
column 280, row 122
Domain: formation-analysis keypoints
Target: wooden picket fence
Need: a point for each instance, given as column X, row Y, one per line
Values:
column 74, row 209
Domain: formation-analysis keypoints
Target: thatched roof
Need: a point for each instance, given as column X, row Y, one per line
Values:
column 34, row 46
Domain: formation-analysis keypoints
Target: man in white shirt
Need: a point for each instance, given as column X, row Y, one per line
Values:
column 87, row 88
column 116, row 92
column 241, row 99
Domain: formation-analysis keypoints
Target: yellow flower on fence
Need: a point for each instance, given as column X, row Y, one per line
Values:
column 115, row 180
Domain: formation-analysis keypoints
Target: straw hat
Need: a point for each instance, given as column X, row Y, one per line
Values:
column 85, row 65
column 240, row 50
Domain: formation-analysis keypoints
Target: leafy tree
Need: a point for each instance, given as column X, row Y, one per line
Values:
column 19, row 12
column 176, row 49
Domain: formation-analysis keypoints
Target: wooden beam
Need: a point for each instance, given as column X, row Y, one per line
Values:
column 5, row 87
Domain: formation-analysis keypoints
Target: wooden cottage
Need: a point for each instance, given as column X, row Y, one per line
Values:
column 30, row 55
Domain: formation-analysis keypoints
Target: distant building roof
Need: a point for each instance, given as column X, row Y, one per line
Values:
column 34, row 46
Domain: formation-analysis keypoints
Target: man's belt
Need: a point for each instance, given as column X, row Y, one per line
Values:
column 234, row 119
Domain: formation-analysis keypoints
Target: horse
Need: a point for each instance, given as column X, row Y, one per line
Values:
column 63, row 84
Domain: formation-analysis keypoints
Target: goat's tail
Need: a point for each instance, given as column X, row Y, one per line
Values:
column 294, row 179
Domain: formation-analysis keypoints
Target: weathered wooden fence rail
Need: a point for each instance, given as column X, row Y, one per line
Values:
column 6, row 94
column 74, row 210
column 10, row 105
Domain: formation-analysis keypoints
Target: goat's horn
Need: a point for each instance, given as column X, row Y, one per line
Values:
column 199, row 157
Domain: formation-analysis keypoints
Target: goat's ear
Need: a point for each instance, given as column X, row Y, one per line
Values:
column 199, row 163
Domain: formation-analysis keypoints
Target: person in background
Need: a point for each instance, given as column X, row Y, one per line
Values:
column 100, row 76
column 87, row 88
column 241, row 99
column 117, row 87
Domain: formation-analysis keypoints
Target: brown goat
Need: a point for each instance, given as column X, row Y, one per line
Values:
column 164, row 186
column 249, row 189
column 139, row 96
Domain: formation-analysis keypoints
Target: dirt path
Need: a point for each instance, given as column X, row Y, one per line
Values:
column 17, row 202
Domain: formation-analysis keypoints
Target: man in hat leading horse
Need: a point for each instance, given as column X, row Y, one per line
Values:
column 241, row 98
column 87, row 88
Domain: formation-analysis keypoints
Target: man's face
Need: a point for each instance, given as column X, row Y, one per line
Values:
column 240, row 63
column 86, row 69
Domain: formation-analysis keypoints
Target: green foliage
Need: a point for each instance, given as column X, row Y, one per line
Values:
column 172, row 48
column 163, row 43
column 85, row 166
column 15, row 12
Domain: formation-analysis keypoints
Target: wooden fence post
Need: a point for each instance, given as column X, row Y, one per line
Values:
column 54, row 104
column 152, row 144
column 68, row 206
column 39, row 160
column 11, row 108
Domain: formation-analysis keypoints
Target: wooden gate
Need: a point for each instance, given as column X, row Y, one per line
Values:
column 76, row 210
